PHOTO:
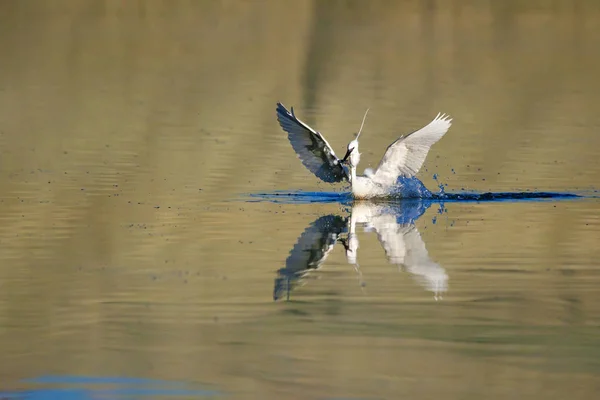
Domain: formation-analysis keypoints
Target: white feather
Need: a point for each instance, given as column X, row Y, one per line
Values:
column 403, row 245
column 406, row 156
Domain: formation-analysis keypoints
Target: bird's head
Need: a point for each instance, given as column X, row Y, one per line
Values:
column 352, row 156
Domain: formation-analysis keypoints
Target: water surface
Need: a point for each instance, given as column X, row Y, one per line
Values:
column 138, row 141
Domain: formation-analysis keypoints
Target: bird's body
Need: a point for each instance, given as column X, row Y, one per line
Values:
column 368, row 187
column 365, row 187
column 393, row 177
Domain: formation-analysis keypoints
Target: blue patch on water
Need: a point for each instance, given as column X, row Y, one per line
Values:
column 412, row 213
column 96, row 380
column 89, row 387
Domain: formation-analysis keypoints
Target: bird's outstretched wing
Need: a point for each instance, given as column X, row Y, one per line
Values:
column 417, row 262
column 406, row 156
column 404, row 246
column 312, row 148
column 312, row 248
column 315, row 243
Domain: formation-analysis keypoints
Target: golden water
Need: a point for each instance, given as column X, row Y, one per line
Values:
column 130, row 133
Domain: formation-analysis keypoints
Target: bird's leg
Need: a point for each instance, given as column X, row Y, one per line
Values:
column 355, row 264
column 438, row 295
column 360, row 277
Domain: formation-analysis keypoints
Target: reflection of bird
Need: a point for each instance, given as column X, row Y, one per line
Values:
column 402, row 159
column 312, row 248
column 401, row 241
column 396, row 231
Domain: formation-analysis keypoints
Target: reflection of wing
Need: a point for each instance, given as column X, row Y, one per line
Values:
column 429, row 274
column 312, row 248
column 402, row 242
column 391, row 237
column 406, row 156
column 312, row 148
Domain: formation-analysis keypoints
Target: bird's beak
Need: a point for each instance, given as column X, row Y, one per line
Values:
column 347, row 155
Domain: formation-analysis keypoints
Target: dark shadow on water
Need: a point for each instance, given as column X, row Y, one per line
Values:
column 503, row 196
column 90, row 387
column 301, row 197
column 394, row 225
column 304, row 197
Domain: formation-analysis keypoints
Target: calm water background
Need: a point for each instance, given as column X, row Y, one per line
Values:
column 131, row 132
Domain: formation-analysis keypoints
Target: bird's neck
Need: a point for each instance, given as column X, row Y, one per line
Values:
column 352, row 249
column 352, row 173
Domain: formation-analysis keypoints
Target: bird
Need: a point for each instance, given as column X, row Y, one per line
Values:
column 393, row 177
column 394, row 225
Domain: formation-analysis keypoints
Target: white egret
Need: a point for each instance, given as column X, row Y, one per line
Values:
column 394, row 225
column 402, row 159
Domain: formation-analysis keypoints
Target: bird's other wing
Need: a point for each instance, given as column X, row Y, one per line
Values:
column 404, row 246
column 315, row 243
column 312, row 148
column 391, row 223
column 406, row 156
column 391, row 237
column 417, row 262
column 309, row 252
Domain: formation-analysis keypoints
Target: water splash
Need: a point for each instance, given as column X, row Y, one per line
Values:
column 440, row 185
column 412, row 188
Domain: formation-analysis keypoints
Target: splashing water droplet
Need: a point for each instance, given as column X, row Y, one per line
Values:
column 413, row 188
